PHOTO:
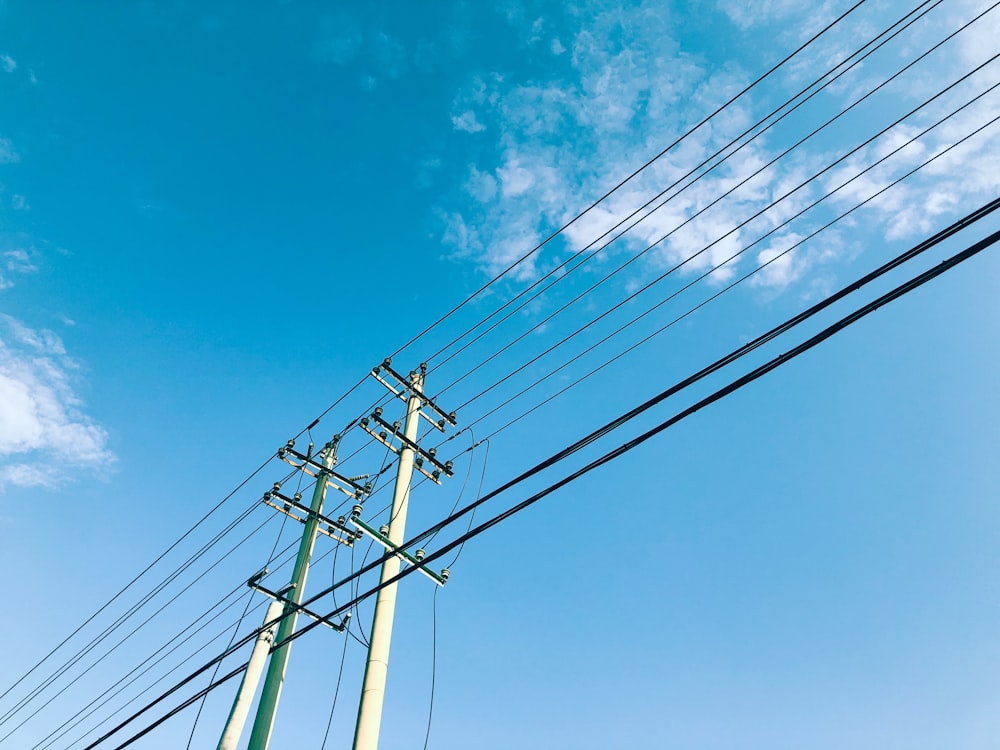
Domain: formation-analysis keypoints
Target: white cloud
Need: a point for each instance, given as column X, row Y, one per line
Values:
column 8, row 155
column 8, row 63
column 627, row 89
column 19, row 261
column 468, row 122
column 42, row 425
column 19, row 203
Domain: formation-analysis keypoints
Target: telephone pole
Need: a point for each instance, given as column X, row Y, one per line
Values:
column 263, row 724
column 410, row 455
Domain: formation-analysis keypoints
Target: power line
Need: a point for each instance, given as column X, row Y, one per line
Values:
column 631, row 176
column 496, row 382
column 685, row 176
column 627, row 446
column 795, row 245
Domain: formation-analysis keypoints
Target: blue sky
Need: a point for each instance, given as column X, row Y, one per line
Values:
column 215, row 218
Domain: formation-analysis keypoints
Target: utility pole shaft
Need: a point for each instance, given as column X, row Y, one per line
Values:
column 263, row 724
column 376, row 669
column 248, row 686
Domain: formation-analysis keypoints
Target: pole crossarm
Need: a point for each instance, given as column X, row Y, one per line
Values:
column 308, row 464
column 327, row 527
column 415, row 559
column 281, row 596
column 394, row 430
column 404, row 385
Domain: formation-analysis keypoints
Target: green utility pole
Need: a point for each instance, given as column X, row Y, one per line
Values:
column 263, row 723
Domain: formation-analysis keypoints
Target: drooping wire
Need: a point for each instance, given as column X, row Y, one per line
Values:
column 479, row 494
column 434, row 631
column 336, row 693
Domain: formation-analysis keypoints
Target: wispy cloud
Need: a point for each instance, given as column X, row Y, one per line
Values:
column 8, row 154
column 626, row 89
column 43, row 424
column 8, row 63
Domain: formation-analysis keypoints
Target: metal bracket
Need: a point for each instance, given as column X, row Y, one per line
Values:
column 414, row 560
column 333, row 479
column 427, row 455
column 386, row 365
column 282, row 596
column 347, row 535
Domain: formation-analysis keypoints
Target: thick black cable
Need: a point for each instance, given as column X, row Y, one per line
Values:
column 956, row 227
column 717, row 395
column 629, row 178
column 193, row 699
column 589, row 246
column 629, row 445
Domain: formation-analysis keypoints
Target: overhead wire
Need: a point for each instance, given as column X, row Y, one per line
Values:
column 434, row 631
column 680, row 139
column 677, row 266
column 551, row 372
column 733, row 386
column 300, row 433
column 904, row 22
column 136, row 629
column 767, row 122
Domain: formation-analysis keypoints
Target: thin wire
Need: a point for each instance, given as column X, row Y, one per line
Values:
column 479, row 494
column 129, row 585
column 239, row 623
column 105, row 698
column 336, row 693
column 494, row 384
column 553, row 371
column 94, row 643
column 685, row 176
column 742, row 351
column 434, row 631
column 628, row 179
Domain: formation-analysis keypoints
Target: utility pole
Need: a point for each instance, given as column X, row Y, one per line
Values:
column 248, row 685
column 376, row 669
column 263, row 724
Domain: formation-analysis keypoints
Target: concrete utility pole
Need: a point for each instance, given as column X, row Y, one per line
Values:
column 373, row 692
column 263, row 723
column 251, row 678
